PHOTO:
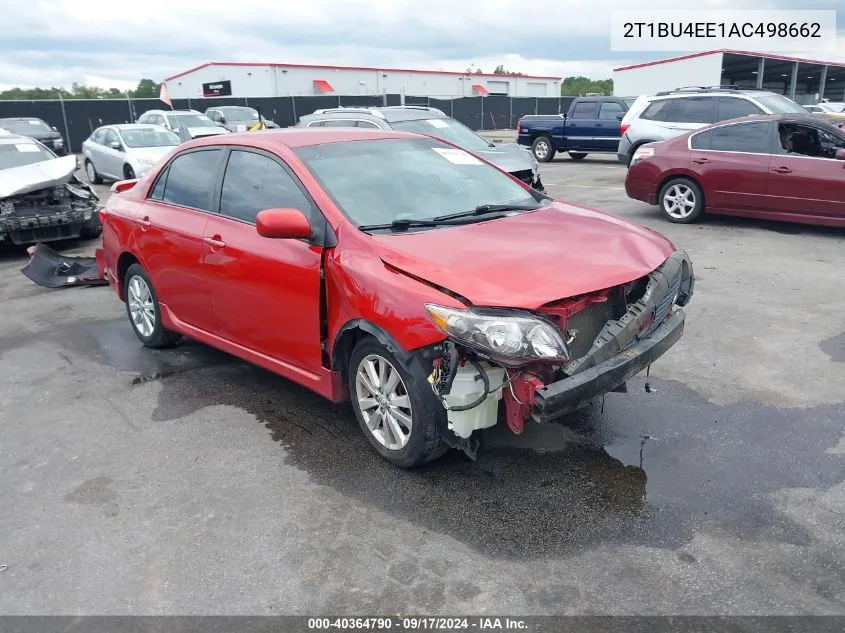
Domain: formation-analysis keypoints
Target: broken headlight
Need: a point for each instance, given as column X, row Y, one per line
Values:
column 516, row 336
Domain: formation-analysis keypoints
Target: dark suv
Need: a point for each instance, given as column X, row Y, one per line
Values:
column 510, row 157
column 669, row 114
column 38, row 129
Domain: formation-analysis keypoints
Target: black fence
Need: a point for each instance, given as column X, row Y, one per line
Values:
column 77, row 118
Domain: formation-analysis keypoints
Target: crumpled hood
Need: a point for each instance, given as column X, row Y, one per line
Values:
column 27, row 178
column 529, row 259
column 509, row 157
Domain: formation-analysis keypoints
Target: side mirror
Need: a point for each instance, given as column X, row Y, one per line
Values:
column 620, row 115
column 840, row 154
column 116, row 145
column 283, row 224
column 55, row 129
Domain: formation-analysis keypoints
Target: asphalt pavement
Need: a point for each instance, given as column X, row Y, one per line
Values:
column 184, row 481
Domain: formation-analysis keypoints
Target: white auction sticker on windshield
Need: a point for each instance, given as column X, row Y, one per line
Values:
column 33, row 122
column 27, row 147
column 457, row 156
column 437, row 123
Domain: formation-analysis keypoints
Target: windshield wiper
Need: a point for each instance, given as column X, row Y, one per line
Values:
column 402, row 224
column 484, row 209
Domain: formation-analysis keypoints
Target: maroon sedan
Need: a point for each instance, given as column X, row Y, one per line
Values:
column 780, row 167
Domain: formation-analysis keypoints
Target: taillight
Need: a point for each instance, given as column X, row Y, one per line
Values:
column 624, row 128
column 518, row 121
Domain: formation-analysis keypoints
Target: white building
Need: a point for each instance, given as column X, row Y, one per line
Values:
column 803, row 80
column 279, row 80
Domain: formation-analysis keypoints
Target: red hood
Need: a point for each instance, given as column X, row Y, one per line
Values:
column 530, row 259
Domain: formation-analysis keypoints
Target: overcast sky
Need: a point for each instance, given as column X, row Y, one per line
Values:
column 57, row 42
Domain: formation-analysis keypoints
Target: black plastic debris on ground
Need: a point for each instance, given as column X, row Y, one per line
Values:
column 50, row 269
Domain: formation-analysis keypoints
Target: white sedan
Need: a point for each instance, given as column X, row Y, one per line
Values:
column 125, row 151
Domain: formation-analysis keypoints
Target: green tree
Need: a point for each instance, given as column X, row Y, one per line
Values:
column 579, row 86
column 147, row 89
column 500, row 70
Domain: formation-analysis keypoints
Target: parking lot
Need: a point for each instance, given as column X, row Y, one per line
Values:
column 187, row 482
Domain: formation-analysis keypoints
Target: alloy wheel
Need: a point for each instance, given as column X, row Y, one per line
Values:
column 384, row 402
column 679, row 201
column 141, row 306
column 90, row 172
column 541, row 150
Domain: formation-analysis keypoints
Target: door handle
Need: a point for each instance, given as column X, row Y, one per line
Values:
column 701, row 161
column 216, row 241
column 145, row 222
column 782, row 170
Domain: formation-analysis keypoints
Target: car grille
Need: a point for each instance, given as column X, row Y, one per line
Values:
column 589, row 322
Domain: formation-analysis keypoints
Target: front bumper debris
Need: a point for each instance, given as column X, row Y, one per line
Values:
column 50, row 269
column 565, row 396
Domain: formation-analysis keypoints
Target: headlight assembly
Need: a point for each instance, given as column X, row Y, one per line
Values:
column 507, row 337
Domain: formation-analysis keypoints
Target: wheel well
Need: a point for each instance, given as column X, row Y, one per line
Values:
column 673, row 177
column 537, row 135
column 343, row 347
column 125, row 167
column 123, row 263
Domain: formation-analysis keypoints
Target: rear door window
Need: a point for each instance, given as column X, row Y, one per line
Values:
column 585, row 110
column 734, row 107
column 694, row 110
column 749, row 138
column 190, row 179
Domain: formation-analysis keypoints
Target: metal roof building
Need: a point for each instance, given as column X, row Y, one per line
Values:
column 240, row 79
column 806, row 81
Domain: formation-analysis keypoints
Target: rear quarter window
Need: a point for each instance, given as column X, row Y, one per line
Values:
column 695, row 110
column 658, row 110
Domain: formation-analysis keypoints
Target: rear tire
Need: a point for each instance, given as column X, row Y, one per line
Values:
column 577, row 155
column 144, row 311
column 91, row 173
column 542, row 149
column 681, row 201
column 395, row 406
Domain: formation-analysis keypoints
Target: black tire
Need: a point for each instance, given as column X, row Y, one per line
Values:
column 128, row 172
column 91, row 173
column 159, row 337
column 93, row 227
column 424, row 443
column 577, row 155
column 691, row 191
column 543, row 144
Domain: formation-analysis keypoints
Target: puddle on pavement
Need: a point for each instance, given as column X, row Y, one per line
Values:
column 835, row 348
column 646, row 471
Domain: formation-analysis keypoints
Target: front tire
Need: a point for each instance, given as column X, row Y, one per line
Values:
column 577, row 155
column 395, row 406
column 92, row 228
column 128, row 172
column 681, row 201
column 542, row 149
column 144, row 311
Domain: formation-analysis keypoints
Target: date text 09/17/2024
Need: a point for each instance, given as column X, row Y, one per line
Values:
column 416, row 623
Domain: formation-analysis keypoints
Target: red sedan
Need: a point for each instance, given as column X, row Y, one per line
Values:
column 780, row 167
column 395, row 270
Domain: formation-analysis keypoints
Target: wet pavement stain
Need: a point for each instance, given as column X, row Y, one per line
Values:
column 648, row 471
column 835, row 348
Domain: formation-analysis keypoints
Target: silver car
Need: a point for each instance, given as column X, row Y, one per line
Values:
column 195, row 123
column 515, row 159
column 125, row 151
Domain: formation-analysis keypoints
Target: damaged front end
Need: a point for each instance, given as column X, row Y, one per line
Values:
column 554, row 360
column 45, row 201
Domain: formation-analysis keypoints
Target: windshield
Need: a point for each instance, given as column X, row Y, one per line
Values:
column 27, row 127
column 149, row 137
column 376, row 182
column 447, row 129
column 629, row 102
column 24, row 153
column 188, row 120
column 240, row 114
column 778, row 104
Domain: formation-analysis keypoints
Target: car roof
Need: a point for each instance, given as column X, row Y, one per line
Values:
column 798, row 118
column 172, row 112
column 294, row 137
column 14, row 139
column 385, row 113
column 21, row 118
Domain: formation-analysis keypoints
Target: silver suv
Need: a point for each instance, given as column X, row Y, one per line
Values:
column 669, row 114
column 515, row 159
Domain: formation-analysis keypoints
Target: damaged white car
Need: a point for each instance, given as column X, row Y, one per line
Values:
column 41, row 200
